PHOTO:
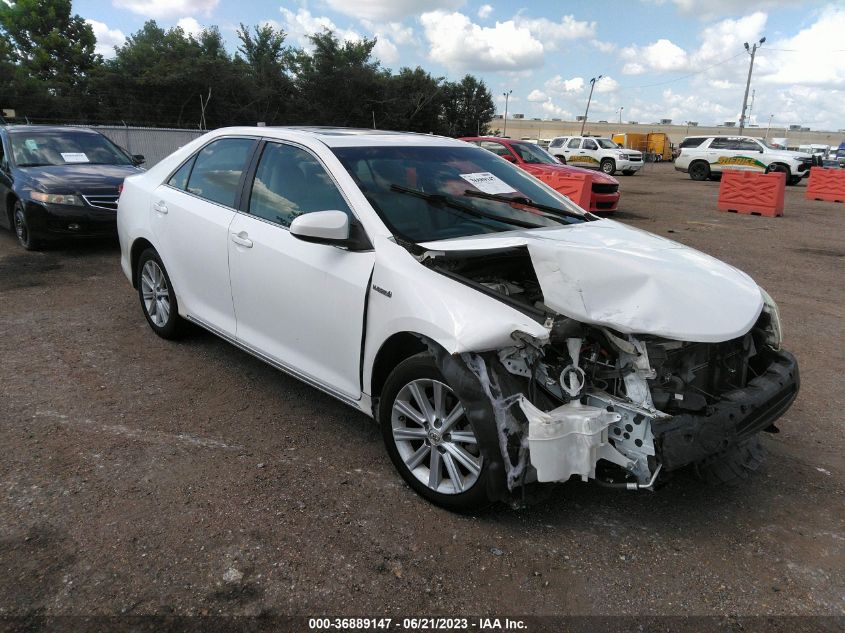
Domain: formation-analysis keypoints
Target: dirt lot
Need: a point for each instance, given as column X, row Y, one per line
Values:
column 140, row 476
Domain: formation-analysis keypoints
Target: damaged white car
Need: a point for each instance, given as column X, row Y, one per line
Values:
column 498, row 333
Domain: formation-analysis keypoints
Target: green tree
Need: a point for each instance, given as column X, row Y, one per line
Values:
column 269, row 89
column 468, row 106
column 338, row 83
column 48, row 42
column 413, row 101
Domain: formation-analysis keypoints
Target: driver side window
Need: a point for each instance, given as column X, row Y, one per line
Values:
column 290, row 181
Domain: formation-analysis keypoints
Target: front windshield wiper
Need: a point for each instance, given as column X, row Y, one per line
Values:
column 528, row 202
column 439, row 198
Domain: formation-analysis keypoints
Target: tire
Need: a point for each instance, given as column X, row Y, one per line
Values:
column 778, row 168
column 715, row 177
column 628, row 172
column 608, row 166
column 699, row 170
column 793, row 180
column 21, row 228
column 734, row 466
column 412, row 438
column 561, row 159
column 158, row 301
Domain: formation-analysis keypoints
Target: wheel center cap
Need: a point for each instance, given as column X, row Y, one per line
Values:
column 434, row 436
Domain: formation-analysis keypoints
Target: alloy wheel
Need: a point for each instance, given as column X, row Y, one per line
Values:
column 434, row 437
column 21, row 229
column 155, row 293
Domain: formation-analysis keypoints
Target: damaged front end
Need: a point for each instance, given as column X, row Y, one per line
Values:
column 596, row 403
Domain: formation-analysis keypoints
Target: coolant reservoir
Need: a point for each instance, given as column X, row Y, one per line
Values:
column 568, row 440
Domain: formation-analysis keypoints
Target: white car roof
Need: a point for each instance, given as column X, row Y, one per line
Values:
column 344, row 137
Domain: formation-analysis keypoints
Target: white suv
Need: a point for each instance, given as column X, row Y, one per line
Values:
column 704, row 157
column 498, row 333
column 596, row 153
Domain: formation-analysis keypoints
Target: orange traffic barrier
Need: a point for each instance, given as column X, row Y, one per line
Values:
column 577, row 187
column 826, row 184
column 752, row 192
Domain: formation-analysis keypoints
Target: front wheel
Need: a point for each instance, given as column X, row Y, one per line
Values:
column 608, row 166
column 429, row 438
column 22, row 231
column 158, row 301
column 793, row 180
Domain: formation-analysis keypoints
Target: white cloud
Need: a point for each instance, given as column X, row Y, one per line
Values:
column 604, row 47
column 396, row 31
column 552, row 34
column 538, row 96
column 455, row 41
column 660, row 56
column 553, row 110
column 166, row 8
column 485, row 11
column 190, row 26
column 387, row 10
column 559, row 84
column 386, row 51
column 607, row 84
column 107, row 38
column 715, row 8
column 301, row 24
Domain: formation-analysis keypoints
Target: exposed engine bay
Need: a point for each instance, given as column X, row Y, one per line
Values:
column 619, row 408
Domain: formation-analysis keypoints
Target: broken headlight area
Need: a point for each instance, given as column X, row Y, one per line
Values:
column 598, row 404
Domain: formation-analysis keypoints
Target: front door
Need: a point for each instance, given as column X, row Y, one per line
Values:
column 299, row 303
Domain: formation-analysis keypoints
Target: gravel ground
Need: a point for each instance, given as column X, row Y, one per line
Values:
column 141, row 476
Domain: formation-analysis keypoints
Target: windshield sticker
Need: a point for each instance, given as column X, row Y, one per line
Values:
column 487, row 182
column 74, row 157
column 31, row 144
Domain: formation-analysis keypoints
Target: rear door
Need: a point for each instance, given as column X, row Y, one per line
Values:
column 298, row 303
column 190, row 218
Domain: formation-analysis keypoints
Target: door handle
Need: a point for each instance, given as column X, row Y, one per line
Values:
column 160, row 207
column 242, row 239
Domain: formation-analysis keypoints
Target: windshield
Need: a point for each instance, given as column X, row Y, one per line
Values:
column 39, row 148
column 534, row 154
column 421, row 192
column 606, row 143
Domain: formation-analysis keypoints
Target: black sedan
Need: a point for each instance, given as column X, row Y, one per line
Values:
column 59, row 182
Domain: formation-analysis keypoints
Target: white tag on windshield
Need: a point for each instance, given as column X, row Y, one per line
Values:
column 487, row 182
column 75, row 157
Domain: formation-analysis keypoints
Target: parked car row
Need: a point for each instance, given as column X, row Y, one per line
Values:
column 497, row 333
column 596, row 153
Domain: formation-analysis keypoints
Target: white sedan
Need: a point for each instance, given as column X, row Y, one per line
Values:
column 498, row 333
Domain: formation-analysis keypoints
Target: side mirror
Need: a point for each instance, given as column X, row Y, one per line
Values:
column 138, row 159
column 509, row 158
column 332, row 228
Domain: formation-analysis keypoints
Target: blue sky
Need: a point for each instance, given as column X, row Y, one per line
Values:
column 677, row 59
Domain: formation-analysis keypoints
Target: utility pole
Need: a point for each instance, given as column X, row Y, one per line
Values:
column 620, row 114
column 751, row 51
column 751, row 106
column 769, row 126
column 507, row 96
column 590, row 98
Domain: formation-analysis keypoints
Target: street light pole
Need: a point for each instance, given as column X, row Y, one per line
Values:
column 769, row 126
column 620, row 114
column 507, row 96
column 751, row 51
column 590, row 98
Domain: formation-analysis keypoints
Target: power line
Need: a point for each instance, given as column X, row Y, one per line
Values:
column 692, row 74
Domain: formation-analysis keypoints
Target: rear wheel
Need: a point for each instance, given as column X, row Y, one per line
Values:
column 429, row 438
column 608, row 166
column 699, row 170
column 561, row 159
column 158, row 301
column 628, row 172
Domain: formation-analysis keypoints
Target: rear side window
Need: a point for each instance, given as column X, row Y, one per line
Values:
column 289, row 182
column 574, row 143
column 496, row 148
column 693, row 141
column 721, row 143
column 179, row 179
column 590, row 144
column 218, row 168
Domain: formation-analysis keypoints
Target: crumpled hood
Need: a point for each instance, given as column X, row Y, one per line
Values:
column 608, row 274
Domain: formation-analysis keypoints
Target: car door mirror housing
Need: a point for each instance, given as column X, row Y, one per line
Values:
column 509, row 158
column 330, row 227
column 138, row 159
